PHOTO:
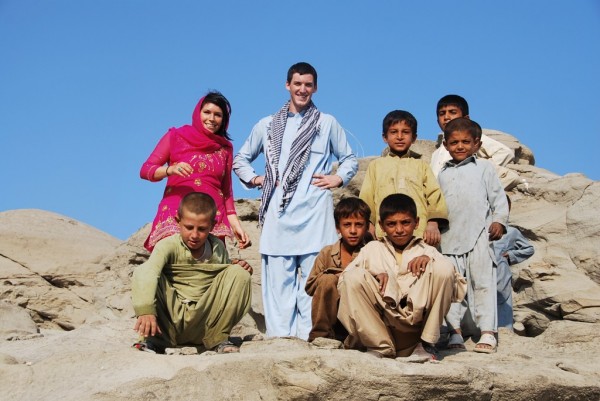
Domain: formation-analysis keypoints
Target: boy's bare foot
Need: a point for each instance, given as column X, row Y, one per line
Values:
column 423, row 353
column 226, row 347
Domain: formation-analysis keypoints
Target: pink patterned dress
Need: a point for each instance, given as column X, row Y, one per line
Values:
column 211, row 157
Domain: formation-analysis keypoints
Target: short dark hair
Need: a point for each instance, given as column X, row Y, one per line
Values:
column 397, row 116
column 351, row 206
column 302, row 68
column 217, row 98
column 463, row 124
column 397, row 203
column 198, row 203
column 454, row 100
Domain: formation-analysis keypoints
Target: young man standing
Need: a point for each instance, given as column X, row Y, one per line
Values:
column 296, row 212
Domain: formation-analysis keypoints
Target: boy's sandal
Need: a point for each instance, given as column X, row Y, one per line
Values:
column 486, row 339
column 144, row 346
column 456, row 342
column 226, row 347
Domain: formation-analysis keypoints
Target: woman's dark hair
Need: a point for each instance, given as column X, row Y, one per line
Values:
column 217, row 98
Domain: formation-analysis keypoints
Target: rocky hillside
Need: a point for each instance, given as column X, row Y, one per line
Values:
column 66, row 319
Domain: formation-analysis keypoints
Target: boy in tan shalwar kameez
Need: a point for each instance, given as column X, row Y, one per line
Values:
column 394, row 296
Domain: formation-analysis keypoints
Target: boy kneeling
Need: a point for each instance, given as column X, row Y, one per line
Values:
column 394, row 296
column 188, row 292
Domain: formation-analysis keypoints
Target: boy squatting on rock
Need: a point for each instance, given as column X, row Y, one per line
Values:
column 189, row 293
column 395, row 294
column 478, row 214
column 351, row 216
column 402, row 171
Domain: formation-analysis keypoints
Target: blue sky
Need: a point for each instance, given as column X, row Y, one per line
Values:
column 87, row 88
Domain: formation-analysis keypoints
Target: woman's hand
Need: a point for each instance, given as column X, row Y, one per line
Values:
column 238, row 231
column 243, row 238
column 181, row 169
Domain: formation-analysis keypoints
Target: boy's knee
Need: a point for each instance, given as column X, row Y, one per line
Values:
column 354, row 279
column 444, row 270
column 327, row 282
column 238, row 274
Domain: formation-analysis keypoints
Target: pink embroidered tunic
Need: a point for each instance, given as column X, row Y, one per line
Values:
column 211, row 158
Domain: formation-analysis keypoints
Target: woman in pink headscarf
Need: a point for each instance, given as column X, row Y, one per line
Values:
column 196, row 158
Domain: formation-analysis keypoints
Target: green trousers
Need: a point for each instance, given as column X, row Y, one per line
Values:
column 220, row 296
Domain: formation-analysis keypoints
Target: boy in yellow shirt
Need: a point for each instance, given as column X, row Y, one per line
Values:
column 402, row 171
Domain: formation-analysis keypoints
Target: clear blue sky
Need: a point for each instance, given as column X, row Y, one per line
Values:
column 88, row 87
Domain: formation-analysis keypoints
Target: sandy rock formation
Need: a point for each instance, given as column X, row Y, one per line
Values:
column 65, row 304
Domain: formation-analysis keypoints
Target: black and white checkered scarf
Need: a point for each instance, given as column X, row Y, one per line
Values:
column 309, row 128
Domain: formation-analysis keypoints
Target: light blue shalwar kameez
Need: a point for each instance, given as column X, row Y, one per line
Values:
column 518, row 249
column 475, row 199
column 291, row 240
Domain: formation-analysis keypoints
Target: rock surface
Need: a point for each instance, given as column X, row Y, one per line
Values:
column 66, row 318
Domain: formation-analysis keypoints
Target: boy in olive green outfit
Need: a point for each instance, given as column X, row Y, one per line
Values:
column 188, row 293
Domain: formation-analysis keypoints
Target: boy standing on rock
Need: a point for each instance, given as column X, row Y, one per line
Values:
column 351, row 217
column 403, row 171
column 394, row 296
column 450, row 107
column 478, row 214
column 189, row 293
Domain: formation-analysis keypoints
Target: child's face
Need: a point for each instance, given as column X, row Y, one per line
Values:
column 194, row 229
column 399, row 137
column 353, row 230
column 448, row 113
column 399, row 228
column 460, row 145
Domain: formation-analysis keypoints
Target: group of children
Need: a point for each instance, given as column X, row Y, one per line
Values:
column 440, row 250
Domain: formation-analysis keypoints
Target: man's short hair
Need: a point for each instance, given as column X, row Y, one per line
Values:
column 349, row 207
column 463, row 124
column 397, row 203
column 198, row 203
column 302, row 68
column 454, row 100
column 397, row 116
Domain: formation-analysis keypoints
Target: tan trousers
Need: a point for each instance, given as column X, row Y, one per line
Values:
column 325, row 309
column 226, row 297
column 373, row 324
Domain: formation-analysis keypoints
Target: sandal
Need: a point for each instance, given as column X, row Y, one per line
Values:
column 456, row 342
column 144, row 346
column 226, row 347
column 486, row 339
